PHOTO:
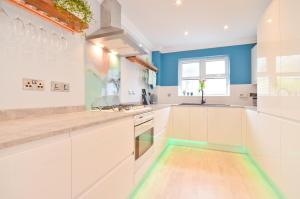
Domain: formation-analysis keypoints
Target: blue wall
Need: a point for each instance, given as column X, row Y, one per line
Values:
column 240, row 63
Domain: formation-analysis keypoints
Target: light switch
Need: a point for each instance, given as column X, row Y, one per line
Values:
column 60, row 87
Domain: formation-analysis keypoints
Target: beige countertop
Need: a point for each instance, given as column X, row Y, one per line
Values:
column 21, row 131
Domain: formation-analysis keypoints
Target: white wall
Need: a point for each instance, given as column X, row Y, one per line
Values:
column 26, row 57
column 169, row 94
column 131, row 80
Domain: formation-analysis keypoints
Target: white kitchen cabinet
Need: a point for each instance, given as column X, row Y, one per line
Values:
column 264, row 143
column 251, row 130
column 289, row 71
column 181, row 122
column 161, row 120
column 268, row 64
column 97, row 150
column 198, row 124
column 37, row 170
column 224, row 126
column 254, row 65
column 117, row 184
column 290, row 158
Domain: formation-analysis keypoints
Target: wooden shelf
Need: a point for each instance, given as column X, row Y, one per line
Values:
column 48, row 10
column 142, row 62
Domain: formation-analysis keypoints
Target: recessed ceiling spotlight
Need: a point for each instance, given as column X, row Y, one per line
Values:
column 140, row 45
column 269, row 20
column 178, row 2
column 226, row 27
column 186, row 33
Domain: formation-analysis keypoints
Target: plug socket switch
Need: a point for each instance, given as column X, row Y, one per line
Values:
column 33, row 84
column 60, row 87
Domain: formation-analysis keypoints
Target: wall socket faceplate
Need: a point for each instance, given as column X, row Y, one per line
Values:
column 60, row 87
column 33, row 85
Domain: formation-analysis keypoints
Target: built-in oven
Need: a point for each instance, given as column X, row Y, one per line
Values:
column 144, row 134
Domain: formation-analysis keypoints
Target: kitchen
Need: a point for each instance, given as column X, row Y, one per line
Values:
column 149, row 99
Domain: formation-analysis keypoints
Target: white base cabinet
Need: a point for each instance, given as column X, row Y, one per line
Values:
column 97, row 150
column 198, row 124
column 37, row 170
column 221, row 126
column 224, row 126
column 117, row 184
column 181, row 122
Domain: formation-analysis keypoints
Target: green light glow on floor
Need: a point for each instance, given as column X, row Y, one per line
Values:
column 252, row 163
column 157, row 162
column 255, row 172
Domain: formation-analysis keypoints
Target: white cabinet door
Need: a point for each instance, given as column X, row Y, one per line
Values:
column 254, row 65
column 198, row 124
column 161, row 120
column 290, row 159
column 224, row 126
column 117, row 184
column 268, row 68
column 251, row 130
column 37, row 170
column 97, row 150
column 181, row 122
column 290, row 59
column 266, row 145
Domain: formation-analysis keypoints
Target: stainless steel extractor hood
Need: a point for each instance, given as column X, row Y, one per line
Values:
column 110, row 35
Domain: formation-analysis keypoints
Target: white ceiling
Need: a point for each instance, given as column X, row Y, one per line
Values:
column 164, row 23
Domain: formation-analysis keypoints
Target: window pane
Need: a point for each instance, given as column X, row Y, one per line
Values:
column 190, row 69
column 216, row 87
column 215, row 67
column 189, row 88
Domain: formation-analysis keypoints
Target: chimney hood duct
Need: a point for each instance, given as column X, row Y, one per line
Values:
column 110, row 35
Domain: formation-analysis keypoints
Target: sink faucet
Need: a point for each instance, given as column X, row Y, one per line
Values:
column 201, row 89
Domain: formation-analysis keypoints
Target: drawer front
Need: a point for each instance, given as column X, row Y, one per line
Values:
column 225, row 126
column 97, row 150
column 161, row 120
column 115, row 185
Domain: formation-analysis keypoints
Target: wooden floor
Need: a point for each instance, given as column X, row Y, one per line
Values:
column 191, row 173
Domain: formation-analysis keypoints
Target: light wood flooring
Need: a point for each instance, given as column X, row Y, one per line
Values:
column 192, row 173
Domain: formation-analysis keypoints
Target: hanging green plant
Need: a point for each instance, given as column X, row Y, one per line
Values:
column 79, row 8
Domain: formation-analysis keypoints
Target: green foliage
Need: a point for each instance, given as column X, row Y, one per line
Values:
column 202, row 85
column 79, row 8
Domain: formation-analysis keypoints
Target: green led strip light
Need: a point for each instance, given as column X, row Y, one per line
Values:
column 250, row 163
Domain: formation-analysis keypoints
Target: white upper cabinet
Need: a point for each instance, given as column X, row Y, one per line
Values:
column 290, row 58
column 254, row 65
column 198, row 124
column 268, row 61
column 37, row 170
column 224, row 126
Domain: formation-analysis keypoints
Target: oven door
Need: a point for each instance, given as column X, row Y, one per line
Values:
column 144, row 138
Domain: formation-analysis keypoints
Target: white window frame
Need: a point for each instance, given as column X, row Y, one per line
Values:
column 203, row 75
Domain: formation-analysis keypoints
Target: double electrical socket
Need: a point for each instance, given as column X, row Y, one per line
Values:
column 39, row 85
column 33, row 84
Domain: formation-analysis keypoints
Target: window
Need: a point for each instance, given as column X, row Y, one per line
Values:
column 215, row 70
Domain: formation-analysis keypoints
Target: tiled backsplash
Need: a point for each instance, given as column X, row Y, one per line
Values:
column 169, row 94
